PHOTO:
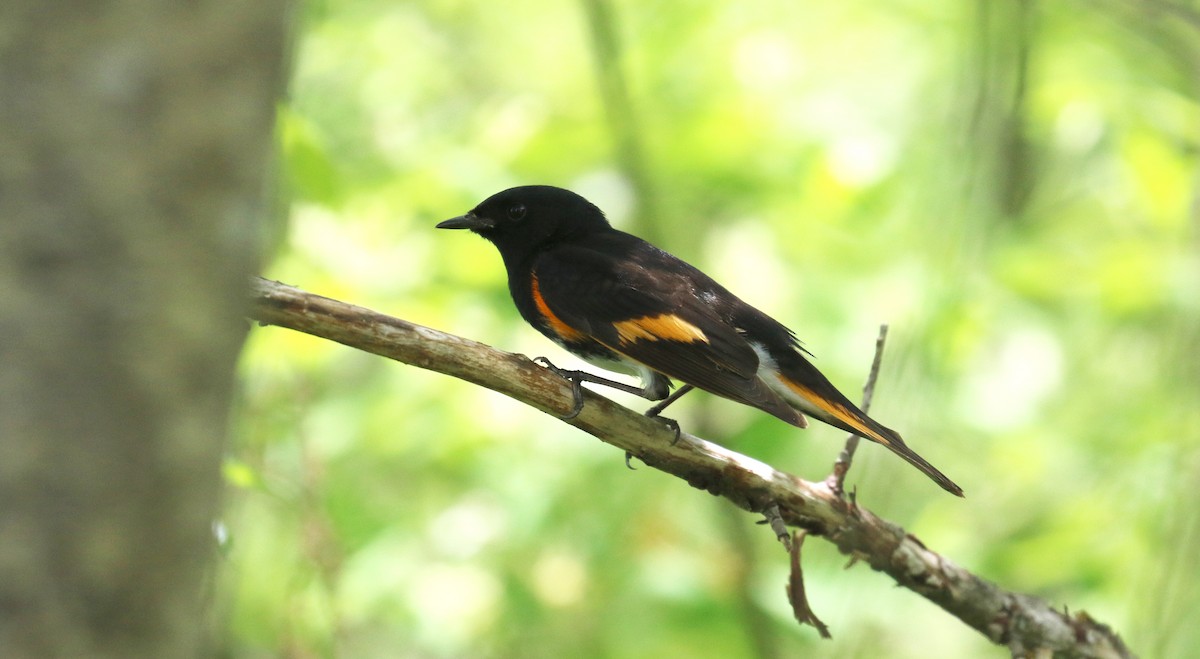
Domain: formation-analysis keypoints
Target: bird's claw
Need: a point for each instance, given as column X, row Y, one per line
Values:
column 576, row 386
column 577, row 406
column 672, row 425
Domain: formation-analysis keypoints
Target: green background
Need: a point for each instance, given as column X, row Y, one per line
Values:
column 1012, row 186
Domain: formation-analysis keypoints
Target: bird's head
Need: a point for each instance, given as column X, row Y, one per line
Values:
column 521, row 221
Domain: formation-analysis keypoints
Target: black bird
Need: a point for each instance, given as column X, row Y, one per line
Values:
column 622, row 304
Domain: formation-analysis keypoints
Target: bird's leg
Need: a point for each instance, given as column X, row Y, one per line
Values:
column 577, row 378
column 671, row 423
column 654, row 411
column 653, row 390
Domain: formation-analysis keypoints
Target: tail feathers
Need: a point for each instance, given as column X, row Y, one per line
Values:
column 864, row 426
column 837, row 411
column 910, row 456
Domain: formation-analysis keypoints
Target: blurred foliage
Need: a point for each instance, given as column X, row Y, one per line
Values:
column 1012, row 186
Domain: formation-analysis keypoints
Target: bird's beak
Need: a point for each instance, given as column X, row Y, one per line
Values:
column 468, row 221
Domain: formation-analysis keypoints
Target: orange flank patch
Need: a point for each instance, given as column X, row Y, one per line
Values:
column 664, row 327
column 563, row 330
column 834, row 409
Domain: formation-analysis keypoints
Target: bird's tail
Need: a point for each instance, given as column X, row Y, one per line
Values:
column 816, row 396
column 891, row 439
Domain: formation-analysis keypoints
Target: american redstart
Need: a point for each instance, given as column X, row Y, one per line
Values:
column 624, row 305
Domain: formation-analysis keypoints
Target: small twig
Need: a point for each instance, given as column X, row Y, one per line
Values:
column 837, row 478
column 795, row 590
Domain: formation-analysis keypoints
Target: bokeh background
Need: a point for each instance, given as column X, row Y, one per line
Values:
column 1011, row 185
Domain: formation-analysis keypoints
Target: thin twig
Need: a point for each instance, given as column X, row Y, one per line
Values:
column 836, row 483
column 837, row 479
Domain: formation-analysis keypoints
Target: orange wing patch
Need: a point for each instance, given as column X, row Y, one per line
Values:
column 563, row 330
column 664, row 327
column 832, row 408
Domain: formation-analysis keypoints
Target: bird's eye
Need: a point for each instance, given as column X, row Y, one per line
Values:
column 516, row 211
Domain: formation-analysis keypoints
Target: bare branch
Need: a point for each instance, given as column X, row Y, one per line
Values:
column 1027, row 625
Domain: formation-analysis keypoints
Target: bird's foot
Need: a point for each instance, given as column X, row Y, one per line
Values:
column 671, row 424
column 576, row 379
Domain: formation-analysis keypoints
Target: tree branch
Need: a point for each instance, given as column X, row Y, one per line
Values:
column 1027, row 625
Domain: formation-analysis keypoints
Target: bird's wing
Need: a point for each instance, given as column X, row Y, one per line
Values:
column 651, row 310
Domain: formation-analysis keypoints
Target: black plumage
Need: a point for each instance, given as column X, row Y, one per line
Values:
column 619, row 302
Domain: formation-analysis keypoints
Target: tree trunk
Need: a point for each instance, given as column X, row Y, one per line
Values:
column 134, row 147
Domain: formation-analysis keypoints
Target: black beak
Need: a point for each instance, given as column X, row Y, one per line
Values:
column 468, row 221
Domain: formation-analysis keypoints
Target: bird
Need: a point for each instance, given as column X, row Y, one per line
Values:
column 626, row 306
